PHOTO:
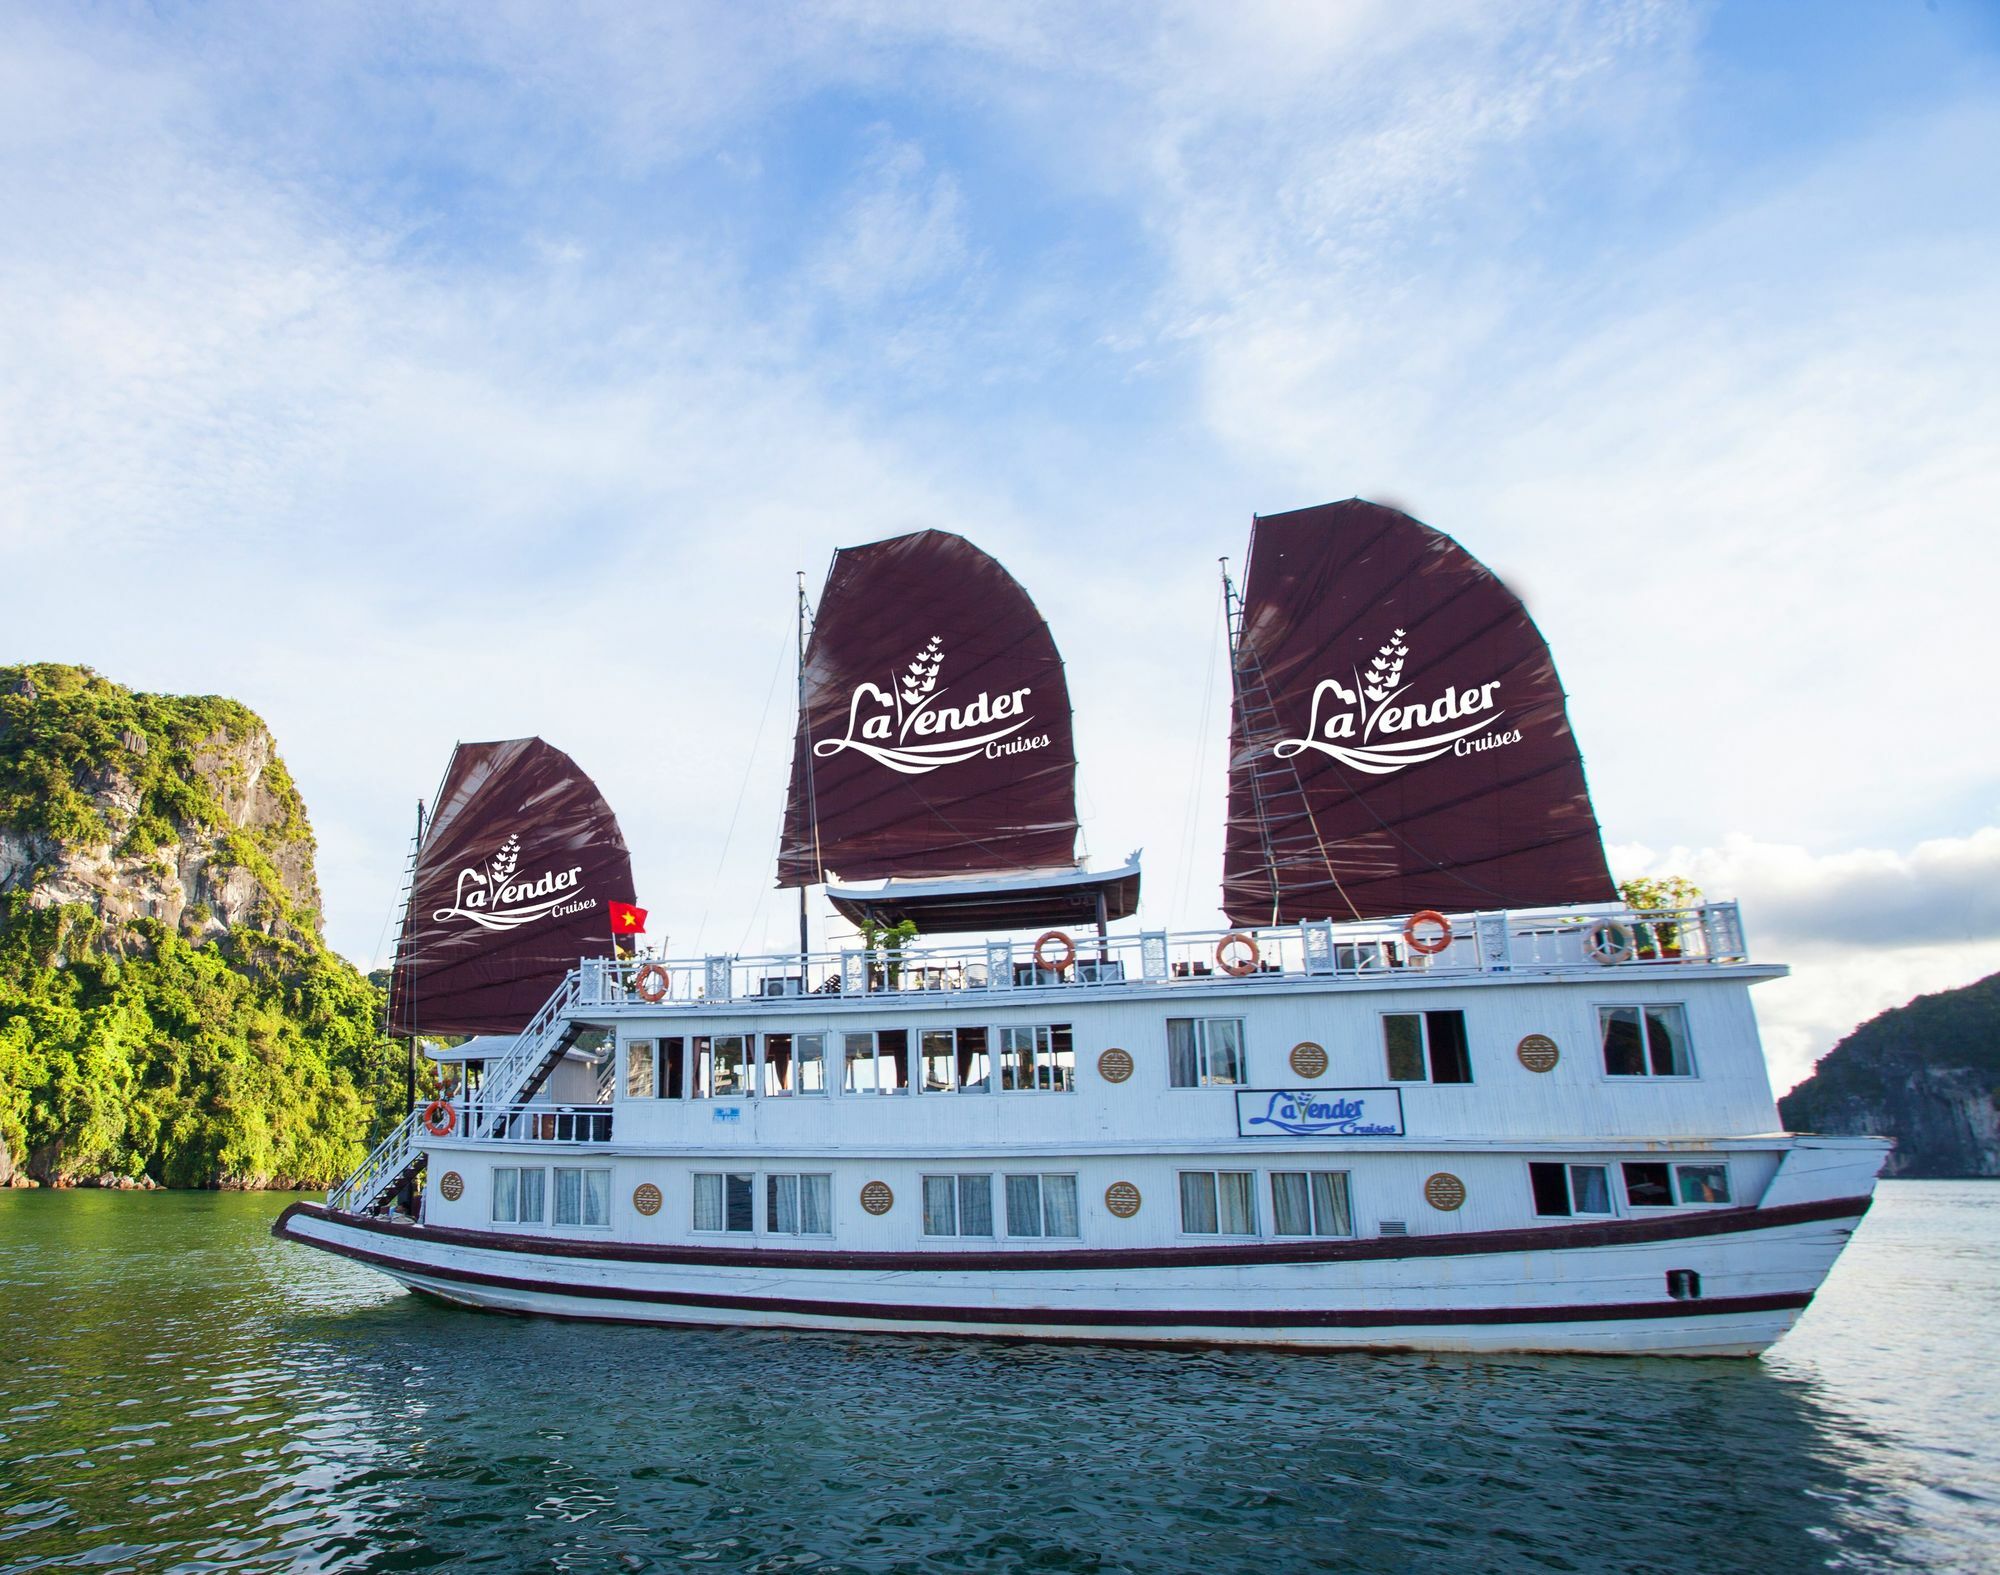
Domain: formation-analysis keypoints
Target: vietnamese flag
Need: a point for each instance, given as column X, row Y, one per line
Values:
column 627, row 920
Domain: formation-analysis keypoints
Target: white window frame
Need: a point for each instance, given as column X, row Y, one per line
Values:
column 1041, row 1179
column 1346, row 1189
column 1203, row 1076
column 794, row 1092
column 799, row 1178
column 583, row 1173
column 1612, row 1188
column 1682, row 1201
column 1042, row 1057
column 920, row 1073
column 1423, row 1016
column 1647, row 1075
column 958, row 1180
column 652, row 1049
column 1215, row 1186
column 722, row 1179
column 493, row 1194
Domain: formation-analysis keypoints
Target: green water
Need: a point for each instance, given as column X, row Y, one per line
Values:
column 180, row 1392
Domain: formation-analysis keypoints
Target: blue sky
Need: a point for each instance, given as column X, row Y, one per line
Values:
column 425, row 372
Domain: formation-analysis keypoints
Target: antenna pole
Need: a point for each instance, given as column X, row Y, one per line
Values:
column 410, row 974
column 804, row 944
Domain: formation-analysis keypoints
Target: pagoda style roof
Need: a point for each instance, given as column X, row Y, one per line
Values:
column 1061, row 898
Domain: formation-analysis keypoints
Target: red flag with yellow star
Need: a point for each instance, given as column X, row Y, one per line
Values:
column 627, row 920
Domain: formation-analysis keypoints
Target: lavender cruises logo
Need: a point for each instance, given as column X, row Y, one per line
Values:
column 492, row 897
column 908, row 727
column 1373, row 728
column 1331, row 1112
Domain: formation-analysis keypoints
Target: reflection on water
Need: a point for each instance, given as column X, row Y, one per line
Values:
column 178, row 1390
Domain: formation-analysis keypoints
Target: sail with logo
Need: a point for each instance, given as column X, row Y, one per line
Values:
column 515, row 870
column 934, row 744
column 1399, row 738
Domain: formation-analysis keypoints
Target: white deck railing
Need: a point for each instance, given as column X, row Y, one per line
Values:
column 1480, row 943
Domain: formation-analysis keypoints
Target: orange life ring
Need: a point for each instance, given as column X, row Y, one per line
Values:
column 1608, row 942
column 1427, row 948
column 650, row 983
column 1068, row 952
column 1237, row 970
column 440, row 1119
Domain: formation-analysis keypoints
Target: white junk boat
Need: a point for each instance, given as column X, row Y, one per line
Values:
column 1436, row 1088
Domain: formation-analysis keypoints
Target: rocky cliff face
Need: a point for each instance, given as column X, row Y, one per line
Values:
column 179, row 810
column 169, row 1013
column 1926, row 1074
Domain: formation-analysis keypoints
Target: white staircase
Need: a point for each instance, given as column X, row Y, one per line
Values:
column 509, row 1081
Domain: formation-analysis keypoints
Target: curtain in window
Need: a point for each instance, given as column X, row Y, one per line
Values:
column 1667, row 1041
column 1590, row 1189
column 1624, row 1051
column 597, row 1197
column 1225, row 1049
column 708, row 1203
column 1291, row 1203
column 940, row 1206
column 1024, row 1205
column 1059, row 1216
column 781, row 1204
column 1237, row 1208
column 506, row 1196
column 816, row 1205
column 534, row 1186
column 1198, row 1202
column 1181, row 1069
column 569, row 1197
column 1330, row 1213
column 975, row 1205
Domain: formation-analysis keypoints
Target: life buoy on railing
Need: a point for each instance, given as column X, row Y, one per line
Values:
column 1608, row 942
column 1427, row 945
column 650, row 983
column 440, row 1119
column 1242, row 965
column 1055, row 965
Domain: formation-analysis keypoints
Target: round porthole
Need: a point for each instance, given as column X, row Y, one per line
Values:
column 646, row 1198
column 1114, row 1066
column 1122, row 1199
column 1309, row 1059
column 1538, row 1053
column 451, row 1186
column 876, row 1197
column 1444, row 1192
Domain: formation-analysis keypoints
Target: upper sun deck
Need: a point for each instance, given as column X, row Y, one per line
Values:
column 1376, row 954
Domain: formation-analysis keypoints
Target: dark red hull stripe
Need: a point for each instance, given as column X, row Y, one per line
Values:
column 1543, row 1238
column 1095, row 1317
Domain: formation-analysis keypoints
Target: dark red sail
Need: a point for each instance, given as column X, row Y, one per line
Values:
column 934, row 728
column 519, row 862
column 1399, row 740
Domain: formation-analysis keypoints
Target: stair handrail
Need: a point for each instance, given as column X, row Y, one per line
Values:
column 385, row 1162
column 500, row 1088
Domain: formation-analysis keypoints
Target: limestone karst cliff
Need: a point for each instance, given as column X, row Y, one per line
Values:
column 1926, row 1074
column 169, row 1013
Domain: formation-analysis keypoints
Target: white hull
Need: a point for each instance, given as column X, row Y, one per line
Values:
column 1598, row 1289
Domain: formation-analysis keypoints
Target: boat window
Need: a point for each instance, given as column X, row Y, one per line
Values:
column 1645, row 1041
column 583, row 1197
column 673, row 1068
column 1042, row 1206
column 1647, row 1186
column 639, row 1069
column 722, row 1201
column 724, row 1067
column 698, row 1066
column 954, row 1060
column 877, row 1063
column 1426, row 1046
column 1702, row 1183
column 1218, row 1202
column 1040, row 1058
column 1562, row 1190
column 794, row 1064
column 1310, row 1203
column 798, row 1205
column 1205, row 1052
column 518, row 1194
column 958, row 1205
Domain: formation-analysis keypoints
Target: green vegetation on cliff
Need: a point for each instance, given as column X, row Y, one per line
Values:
column 167, row 1008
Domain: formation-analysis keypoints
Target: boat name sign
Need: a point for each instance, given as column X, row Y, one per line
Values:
column 906, row 727
column 1369, row 713
column 1319, row 1112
